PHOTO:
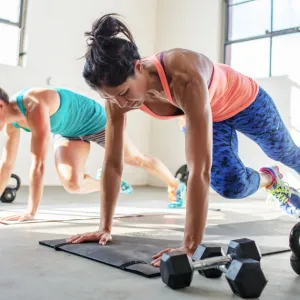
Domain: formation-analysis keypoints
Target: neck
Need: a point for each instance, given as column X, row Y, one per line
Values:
column 13, row 113
column 154, row 86
column 153, row 81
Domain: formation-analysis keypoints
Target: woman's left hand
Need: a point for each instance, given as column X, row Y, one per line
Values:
column 157, row 257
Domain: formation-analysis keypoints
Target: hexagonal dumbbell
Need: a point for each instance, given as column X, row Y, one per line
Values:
column 240, row 248
column 244, row 275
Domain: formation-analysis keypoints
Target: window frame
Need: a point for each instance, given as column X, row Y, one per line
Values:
column 20, row 24
column 268, row 34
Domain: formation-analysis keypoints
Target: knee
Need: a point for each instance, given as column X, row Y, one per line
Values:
column 229, row 190
column 226, row 191
column 72, row 186
column 237, row 186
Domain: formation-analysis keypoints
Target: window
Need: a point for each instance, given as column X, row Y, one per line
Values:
column 262, row 37
column 12, row 27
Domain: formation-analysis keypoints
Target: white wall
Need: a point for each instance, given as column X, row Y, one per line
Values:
column 196, row 25
column 55, row 31
column 191, row 24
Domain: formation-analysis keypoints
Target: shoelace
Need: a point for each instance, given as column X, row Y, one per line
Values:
column 282, row 192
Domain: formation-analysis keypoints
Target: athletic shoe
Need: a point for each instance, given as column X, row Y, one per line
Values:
column 180, row 193
column 287, row 197
column 278, row 189
column 291, row 210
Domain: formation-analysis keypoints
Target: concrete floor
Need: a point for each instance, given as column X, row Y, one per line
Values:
column 30, row 271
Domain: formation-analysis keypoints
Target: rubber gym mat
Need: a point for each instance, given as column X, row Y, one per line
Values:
column 133, row 253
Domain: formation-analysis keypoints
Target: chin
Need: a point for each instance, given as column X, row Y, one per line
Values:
column 138, row 105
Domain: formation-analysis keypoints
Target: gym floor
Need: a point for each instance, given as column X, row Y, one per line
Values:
column 30, row 271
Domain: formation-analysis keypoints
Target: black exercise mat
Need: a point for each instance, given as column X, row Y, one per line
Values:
column 134, row 253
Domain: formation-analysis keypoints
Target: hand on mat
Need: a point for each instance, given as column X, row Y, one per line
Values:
column 100, row 236
column 19, row 218
column 157, row 257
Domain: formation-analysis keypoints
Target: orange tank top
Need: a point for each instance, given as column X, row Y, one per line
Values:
column 229, row 91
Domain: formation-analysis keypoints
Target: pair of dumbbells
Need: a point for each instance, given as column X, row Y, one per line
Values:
column 241, row 266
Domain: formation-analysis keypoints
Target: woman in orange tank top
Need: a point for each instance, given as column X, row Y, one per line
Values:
column 215, row 101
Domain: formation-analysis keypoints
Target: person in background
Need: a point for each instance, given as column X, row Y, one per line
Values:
column 75, row 121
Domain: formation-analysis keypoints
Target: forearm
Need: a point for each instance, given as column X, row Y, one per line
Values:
column 35, row 188
column 196, row 210
column 109, row 193
column 5, row 174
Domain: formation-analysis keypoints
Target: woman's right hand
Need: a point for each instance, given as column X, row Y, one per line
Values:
column 101, row 236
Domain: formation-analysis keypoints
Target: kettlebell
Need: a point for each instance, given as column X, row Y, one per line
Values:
column 10, row 192
column 295, row 247
column 182, row 174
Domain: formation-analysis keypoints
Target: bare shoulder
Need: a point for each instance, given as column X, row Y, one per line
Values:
column 40, row 95
column 45, row 98
column 187, row 64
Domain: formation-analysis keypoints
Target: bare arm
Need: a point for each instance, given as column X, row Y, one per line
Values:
column 199, row 160
column 38, row 119
column 191, row 95
column 112, row 165
column 9, row 154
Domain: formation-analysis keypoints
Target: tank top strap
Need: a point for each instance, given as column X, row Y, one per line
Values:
column 19, row 101
column 162, row 76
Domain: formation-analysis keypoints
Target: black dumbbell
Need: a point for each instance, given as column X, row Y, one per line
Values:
column 295, row 247
column 244, row 275
column 10, row 192
column 240, row 248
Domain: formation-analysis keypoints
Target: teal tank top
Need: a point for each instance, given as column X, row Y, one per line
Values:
column 76, row 116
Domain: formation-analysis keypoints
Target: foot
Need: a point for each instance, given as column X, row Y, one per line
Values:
column 126, row 188
column 291, row 210
column 176, row 195
column 287, row 197
column 175, row 204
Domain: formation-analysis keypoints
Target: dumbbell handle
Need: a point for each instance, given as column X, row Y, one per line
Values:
column 212, row 262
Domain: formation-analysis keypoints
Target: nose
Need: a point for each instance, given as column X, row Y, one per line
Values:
column 122, row 102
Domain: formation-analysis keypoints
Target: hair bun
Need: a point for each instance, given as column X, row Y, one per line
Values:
column 107, row 27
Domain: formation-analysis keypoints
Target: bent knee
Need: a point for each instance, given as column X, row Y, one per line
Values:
column 72, row 186
column 236, row 187
column 226, row 191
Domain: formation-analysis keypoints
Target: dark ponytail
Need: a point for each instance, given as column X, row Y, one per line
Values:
column 110, row 59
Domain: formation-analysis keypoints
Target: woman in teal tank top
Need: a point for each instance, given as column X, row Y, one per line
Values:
column 75, row 121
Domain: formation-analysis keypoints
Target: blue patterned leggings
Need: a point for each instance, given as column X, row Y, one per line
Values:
column 262, row 123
